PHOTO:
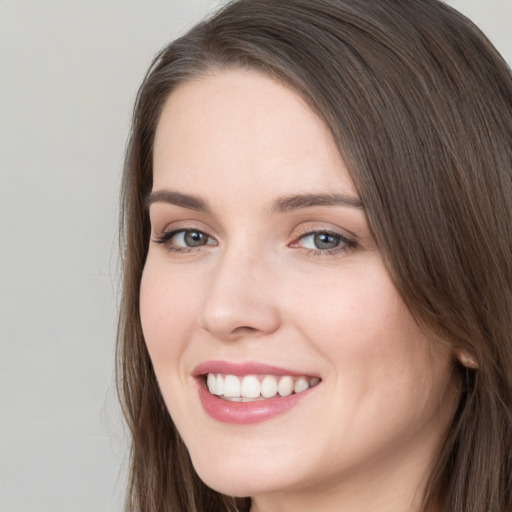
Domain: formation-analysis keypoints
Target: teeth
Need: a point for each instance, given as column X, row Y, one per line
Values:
column 252, row 387
column 231, row 386
column 269, row 386
column 285, row 386
column 211, row 382
column 301, row 384
column 219, row 385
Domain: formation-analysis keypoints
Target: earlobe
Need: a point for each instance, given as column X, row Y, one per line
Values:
column 466, row 359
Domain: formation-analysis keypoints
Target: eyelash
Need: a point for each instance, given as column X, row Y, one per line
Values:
column 166, row 237
column 344, row 244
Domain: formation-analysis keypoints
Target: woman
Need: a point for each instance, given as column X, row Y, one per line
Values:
column 317, row 220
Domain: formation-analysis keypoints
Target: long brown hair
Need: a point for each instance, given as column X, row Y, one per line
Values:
column 420, row 105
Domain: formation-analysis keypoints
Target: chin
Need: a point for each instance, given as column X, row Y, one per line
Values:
column 243, row 476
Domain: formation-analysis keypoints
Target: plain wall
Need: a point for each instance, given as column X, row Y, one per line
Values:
column 69, row 71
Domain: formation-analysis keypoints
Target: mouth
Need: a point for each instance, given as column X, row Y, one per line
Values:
column 253, row 388
column 246, row 393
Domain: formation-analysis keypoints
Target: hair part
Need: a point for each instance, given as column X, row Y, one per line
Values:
column 420, row 106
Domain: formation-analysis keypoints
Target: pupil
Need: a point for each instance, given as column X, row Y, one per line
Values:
column 194, row 238
column 326, row 241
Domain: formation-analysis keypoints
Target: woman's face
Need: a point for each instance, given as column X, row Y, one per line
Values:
column 263, row 278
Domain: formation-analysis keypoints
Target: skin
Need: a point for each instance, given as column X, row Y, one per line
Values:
column 261, row 291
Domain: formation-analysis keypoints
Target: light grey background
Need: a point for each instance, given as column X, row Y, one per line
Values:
column 69, row 71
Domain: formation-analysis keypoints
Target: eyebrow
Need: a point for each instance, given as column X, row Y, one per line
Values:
column 281, row 205
column 178, row 199
column 299, row 201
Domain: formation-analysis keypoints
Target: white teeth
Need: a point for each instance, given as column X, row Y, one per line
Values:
column 301, row 384
column 219, row 385
column 231, row 386
column 211, row 382
column 269, row 386
column 285, row 386
column 252, row 387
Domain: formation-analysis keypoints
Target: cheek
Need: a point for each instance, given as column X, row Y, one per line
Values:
column 361, row 314
column 367, row 333
column 166, row 310
column 385, row 371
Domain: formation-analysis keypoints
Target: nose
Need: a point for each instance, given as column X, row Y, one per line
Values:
column 241, row 299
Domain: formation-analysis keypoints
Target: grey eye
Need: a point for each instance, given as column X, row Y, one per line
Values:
column 322, row 240
column 193, row 238
column 326, row 240
column 180, row 240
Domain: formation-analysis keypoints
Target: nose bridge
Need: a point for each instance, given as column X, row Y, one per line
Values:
column 240, row 299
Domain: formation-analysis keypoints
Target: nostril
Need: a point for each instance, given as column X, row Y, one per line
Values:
column 244, row 329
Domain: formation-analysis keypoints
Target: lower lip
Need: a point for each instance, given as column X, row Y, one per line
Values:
column 246, row 413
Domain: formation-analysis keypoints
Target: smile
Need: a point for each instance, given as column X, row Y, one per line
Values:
column 250, row 392
column 251, row 388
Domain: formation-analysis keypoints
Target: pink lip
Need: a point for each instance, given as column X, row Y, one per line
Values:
column 241, row 369
column 244, row 413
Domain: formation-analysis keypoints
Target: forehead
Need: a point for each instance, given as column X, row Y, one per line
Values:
column 241, row 125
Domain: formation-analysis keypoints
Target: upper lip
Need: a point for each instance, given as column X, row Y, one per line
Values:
column 246, row 368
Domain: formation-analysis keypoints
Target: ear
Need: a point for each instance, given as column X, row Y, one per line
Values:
column 466, row 359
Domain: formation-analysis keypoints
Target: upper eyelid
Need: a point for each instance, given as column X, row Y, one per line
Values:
column 345, row 239
column 311, row 228
column 169, row 233
column 161, row 228
column 165, row 240
column 162, row 214
column 299, row 231
column 166, row 237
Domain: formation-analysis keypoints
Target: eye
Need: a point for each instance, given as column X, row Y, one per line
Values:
column 324, row 242
column 185, row 239
column 321, row 240
column 190, row 238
